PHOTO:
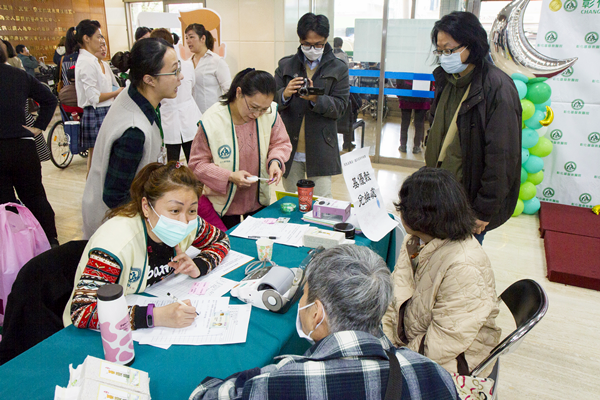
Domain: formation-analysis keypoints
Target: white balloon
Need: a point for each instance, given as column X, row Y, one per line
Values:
column 542, row 131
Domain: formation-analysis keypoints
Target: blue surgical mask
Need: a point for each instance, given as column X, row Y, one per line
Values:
column 172, row 232
column 452, row 64
column 299, row 324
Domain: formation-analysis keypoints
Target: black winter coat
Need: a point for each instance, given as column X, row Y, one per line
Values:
column 322, row 153
column 489, row 125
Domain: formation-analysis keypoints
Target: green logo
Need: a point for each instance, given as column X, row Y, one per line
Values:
column 585, row 198
column 551, row 37
column 568, row 72
column 548, row 192
column 577, row 104
column 570, row 166
column 556, row 134
column 224, row 151
column 570, row 5
column 591, row 38
column 594, row 137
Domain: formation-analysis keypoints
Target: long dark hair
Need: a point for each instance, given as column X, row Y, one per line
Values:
column 152, row 182
column 202, row 31
column 251, row 82
column 3, row 55
column 465, row 28
column 146, row 58
column 433, row 202
column 10, row 51
column 71, row 45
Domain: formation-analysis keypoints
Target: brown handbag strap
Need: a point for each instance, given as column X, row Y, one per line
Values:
column 394, row 385
column 60, row 71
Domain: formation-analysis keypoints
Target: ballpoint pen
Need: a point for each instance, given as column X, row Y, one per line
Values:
column 179, row 301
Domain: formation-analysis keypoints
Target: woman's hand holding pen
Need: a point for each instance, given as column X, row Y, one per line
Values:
column 183, row 264
column 175, row 315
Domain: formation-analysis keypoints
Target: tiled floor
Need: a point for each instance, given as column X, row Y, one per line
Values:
column 560, row 359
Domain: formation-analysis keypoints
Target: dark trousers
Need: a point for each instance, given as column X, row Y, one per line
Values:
column 419, row 126
column 232, row 220
column 21, row 170
column 173, row 151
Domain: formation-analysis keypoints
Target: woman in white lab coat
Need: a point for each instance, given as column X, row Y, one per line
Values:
column 212, row 73
column 180, row 115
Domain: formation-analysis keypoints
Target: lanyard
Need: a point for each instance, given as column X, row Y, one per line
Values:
column 159, row 123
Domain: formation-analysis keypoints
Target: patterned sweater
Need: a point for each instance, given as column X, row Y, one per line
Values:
column 102, row 269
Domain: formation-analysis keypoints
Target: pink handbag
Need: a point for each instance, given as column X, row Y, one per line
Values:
column 21, row 239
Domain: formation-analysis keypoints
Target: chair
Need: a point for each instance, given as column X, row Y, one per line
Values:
column 528, row 303
column 38, row 298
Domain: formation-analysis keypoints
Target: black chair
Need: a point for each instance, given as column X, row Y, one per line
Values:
column 38, row 298
column 528, row 303
column 348, row 122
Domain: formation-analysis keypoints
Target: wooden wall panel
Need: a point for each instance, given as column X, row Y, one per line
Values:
column 39, row 24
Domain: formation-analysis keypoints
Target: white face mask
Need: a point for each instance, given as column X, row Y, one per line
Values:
column 299, row 324
column 312, row 54
column 452, row 64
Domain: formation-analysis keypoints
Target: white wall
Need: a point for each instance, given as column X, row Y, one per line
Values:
column 116, row 30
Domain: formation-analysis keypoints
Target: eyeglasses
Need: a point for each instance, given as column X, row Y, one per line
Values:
column 258, row 110
column 176, row 73
column 446, row 52
column 307, row 46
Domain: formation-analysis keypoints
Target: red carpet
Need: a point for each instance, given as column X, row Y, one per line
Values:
column 568, row 219
column 572, row 243
column 573, row 259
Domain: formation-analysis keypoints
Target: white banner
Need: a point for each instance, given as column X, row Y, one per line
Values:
column 568, row 29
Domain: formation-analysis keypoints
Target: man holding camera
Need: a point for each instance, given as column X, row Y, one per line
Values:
column 312, row 93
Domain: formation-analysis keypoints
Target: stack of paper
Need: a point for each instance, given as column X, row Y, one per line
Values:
column 271, row 228
column 217, row 323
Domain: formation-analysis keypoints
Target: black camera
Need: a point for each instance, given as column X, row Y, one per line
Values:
column 306, row 90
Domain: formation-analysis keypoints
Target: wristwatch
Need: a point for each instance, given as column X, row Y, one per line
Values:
column 150, row 315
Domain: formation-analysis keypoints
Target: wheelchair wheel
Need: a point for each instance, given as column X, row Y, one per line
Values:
column 58, row 142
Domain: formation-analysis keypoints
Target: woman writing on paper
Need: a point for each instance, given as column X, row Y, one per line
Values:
column 143, row 242
column 240, row 137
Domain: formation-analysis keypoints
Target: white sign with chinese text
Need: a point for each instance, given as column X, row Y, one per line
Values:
column 359, row 175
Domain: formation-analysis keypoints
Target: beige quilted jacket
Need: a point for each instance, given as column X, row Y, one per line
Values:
column 451, row 297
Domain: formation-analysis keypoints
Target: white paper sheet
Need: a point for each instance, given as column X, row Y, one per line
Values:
column 359, row 175
column 218, row 323
column 285, row 233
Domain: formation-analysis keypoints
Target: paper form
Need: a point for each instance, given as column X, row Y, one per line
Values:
column 287, row 234
column 218, row 323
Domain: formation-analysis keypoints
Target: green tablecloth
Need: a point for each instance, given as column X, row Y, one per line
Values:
column 175, row 372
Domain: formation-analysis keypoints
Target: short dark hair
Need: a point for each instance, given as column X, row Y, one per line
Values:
column 121, row 61
column 20, row 48
column 3, row 55
column 251, row 82
column 311, row 22
column 433, row 202
column 202, row 31
column 175, row 38
column 141, row 31
column 146, row 58
column 465, row 28
column 338, row 42
column 10, row 51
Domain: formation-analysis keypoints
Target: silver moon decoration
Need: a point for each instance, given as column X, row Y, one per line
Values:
column 512, row 52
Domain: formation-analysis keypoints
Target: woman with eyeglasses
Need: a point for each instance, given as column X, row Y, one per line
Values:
column 180, row 115
column 476, row 121
column 238, row 138
column 212, row 72
column 133, row 134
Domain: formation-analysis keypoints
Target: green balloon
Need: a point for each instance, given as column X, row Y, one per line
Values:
column 527, row 191
column 519, row 77
column 519, row 208
column 534, row 80
column 542, row 148
column 538, row 92
column 524, row 175
column 536, row 178
column 528, row 109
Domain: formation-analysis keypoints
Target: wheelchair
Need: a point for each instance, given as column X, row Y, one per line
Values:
column 370, row 101
column 63, row 138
